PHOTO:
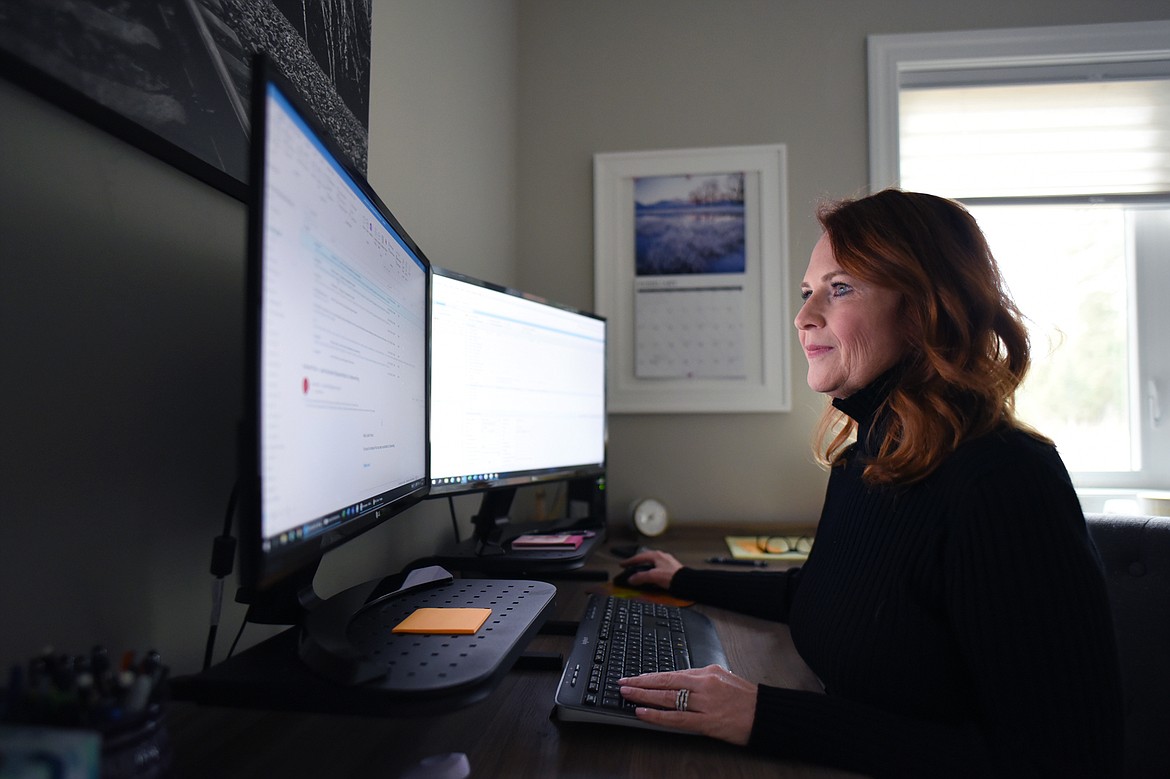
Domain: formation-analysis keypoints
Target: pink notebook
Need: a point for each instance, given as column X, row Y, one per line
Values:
column 566, row 541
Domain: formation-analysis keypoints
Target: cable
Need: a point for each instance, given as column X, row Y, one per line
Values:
column 454, row 519
column 216, row 603
column 236, row 640
column 223, row 555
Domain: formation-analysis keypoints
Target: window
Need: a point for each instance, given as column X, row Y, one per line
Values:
column 1058, row 141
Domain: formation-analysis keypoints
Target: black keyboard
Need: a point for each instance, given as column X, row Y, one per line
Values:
column 621, row 637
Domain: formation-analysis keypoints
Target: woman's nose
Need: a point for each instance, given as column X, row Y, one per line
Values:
column 808, row 315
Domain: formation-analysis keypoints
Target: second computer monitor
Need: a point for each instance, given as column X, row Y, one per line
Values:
column 517, row 388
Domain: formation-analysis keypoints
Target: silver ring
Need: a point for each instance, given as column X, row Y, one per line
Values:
column 680, row 700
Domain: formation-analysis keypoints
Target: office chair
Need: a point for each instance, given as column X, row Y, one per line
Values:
column 1135, row 551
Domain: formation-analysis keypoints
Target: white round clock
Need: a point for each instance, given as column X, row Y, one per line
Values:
column 649, row 516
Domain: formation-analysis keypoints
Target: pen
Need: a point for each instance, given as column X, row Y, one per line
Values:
column 736, row 561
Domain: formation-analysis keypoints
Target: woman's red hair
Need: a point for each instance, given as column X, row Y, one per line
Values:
column 968, row 348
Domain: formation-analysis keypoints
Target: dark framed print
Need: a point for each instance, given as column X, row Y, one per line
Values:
column 173, row 76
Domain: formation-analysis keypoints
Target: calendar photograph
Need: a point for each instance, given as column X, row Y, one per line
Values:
column 688, row 224
column 690, row 270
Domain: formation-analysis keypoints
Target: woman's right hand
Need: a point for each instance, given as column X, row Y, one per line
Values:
column 665, row 567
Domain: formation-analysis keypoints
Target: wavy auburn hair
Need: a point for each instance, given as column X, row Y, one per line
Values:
column 967, row 348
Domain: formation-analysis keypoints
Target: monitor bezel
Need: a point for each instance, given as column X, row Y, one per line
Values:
column 294, row 568
column 511, row 481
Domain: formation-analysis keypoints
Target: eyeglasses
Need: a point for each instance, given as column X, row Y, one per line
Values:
column 784, row 544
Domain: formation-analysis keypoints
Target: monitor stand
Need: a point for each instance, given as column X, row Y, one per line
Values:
column 344, row 659
column 489, row 550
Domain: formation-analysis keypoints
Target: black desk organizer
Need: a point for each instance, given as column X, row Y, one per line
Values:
column 366, row 669
column 502, row 559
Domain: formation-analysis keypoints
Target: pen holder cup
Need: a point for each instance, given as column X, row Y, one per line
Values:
column 137, row 747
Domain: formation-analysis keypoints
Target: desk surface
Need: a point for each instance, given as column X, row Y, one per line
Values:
column 513, row 732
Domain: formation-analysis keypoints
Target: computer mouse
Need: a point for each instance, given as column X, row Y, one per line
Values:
column 623, row 578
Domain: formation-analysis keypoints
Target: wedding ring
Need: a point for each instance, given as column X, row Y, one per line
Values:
column 680, row 700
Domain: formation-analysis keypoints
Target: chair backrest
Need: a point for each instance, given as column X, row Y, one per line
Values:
column 1135, row 551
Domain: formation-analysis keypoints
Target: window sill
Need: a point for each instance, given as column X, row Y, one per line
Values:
column 1119, row 501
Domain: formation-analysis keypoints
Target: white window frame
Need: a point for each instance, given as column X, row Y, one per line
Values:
column 983, row 56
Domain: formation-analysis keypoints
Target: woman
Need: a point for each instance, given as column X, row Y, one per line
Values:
column 953, row 606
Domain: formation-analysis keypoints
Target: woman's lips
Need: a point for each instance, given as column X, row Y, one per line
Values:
column 814, row 350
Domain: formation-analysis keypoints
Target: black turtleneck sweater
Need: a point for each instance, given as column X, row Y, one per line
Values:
column 960, row 625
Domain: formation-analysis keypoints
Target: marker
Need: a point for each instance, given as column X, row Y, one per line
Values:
column 737, row 561
column 139, row 693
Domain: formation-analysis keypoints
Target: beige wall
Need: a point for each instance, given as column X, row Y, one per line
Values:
column 443, row 128
column 615, row 75
column 121, row 278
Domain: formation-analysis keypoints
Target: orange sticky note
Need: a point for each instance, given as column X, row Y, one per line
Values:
column 453, row 621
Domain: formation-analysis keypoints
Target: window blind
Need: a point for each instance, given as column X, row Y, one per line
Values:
column 1082, row 138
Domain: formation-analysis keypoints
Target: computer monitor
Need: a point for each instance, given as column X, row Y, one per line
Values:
column 517, row 392
column 335, row 434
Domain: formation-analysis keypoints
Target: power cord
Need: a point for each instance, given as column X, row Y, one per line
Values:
column 236, row 640
column 454, row 519
column 223, row 555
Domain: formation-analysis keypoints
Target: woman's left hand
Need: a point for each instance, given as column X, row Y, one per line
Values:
column 717, row 702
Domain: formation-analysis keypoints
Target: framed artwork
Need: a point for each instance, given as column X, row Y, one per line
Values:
column 690, row 269
column 173, row 77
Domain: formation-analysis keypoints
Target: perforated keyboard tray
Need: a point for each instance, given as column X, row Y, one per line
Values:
column 423, row 673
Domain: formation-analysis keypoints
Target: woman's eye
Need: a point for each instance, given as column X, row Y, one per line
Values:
column 836, row 290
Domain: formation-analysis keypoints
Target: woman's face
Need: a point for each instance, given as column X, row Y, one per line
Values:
column 849, row 329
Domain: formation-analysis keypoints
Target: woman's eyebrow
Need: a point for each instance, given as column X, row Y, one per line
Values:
column 826, row 277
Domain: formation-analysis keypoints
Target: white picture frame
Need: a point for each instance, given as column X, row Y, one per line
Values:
column 661, row 356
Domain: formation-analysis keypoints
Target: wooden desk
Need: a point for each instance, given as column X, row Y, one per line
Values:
column 512, row 733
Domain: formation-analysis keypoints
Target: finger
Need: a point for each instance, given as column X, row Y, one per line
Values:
column 679, row 720
column 663, row 680
column 663, row 699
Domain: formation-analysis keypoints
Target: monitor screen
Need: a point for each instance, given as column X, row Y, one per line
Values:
column 517, row 388
column 336, row 436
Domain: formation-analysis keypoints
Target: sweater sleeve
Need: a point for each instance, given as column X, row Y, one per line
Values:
column 1026, row 600
column 765, row 594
